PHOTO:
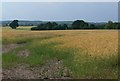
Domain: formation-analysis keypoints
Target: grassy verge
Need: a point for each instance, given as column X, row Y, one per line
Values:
column 83, row 66
column 88, row 67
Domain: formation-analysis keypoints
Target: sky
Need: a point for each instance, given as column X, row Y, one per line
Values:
column 119, row 11
column 60, row 11
column 60, row 0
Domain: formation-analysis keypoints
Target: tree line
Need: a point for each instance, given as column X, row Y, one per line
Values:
column 50, row 26
column 78, row 24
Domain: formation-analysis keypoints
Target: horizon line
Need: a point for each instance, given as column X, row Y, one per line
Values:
column 56, row 20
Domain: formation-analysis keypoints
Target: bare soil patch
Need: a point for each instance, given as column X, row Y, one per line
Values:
column 23, row 53
column 52, row 69
column 9, row 47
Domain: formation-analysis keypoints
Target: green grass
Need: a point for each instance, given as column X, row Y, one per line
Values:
column 24, row 28
column 10, row 59
column 83, row 67
column 87, row 67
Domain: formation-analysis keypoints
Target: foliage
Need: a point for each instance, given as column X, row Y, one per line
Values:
column 78, row 24
column 50, row 26
column 14, row 24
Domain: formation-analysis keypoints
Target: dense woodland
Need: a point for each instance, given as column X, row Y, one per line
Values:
column 78, row 24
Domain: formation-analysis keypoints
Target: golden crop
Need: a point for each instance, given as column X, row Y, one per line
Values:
column 92, row 42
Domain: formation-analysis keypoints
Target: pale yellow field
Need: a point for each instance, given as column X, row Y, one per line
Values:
column 93, row 42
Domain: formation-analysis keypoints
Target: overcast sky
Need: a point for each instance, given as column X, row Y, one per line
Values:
column 88, row 11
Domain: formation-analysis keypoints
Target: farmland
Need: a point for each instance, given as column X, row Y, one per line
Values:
column 60, row 53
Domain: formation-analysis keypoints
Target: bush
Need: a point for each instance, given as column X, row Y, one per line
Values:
column 78, row 24
column 50, row 26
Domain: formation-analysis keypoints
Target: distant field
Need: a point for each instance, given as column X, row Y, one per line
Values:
column 68, row 53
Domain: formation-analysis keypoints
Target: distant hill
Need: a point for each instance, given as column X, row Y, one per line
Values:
column 22, row 23
column 29, row 23
column 60, row 22
column 35, row 23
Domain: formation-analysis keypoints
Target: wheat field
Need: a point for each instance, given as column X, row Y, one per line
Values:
column 93, row 42
column 96, row 49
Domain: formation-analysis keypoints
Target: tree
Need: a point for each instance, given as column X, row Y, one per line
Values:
column 76, row 24
column 79, row 24
column 109, row 25
column 64, row 27
column 14, row 24
column 41, row 27
column 92, row 26
column 48, row 25
column 54, row 25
